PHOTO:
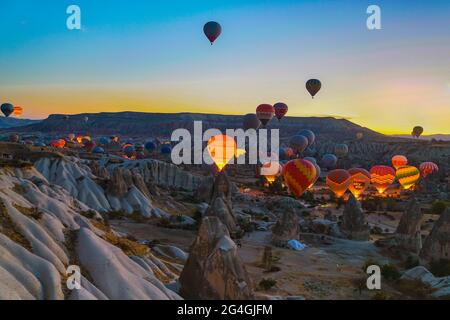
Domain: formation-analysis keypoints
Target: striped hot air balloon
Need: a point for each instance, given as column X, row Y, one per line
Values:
column 399, row 161
column 280, row 109
column 265, row 113
column 338, row 181
column 360, row 180
column 18, row 111
column 408, row 176
column 382, row 177
column 299, row 175
column 427, row 168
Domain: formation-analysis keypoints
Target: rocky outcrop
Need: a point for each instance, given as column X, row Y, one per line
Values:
column 204, row 191
column 221, row 209
column 439, row 287
column 437, row 244
column 287, row 228
column 408, row 234
column 354, row 224
column 214, row 269
column 99, row 171
column 117, row 186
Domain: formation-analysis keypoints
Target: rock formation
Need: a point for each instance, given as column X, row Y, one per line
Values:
column 354, row 224
column 117, row 185
column 408, row 231
column 287, row 228
column 214, row 269
column 437, row 244
column 222, row 210
column 439, row 287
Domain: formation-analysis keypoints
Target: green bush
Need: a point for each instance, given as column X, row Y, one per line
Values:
column 438, row 207
column 267, row 284
column 440, row 268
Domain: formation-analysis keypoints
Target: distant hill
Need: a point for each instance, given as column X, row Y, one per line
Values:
column 135, row 124
column 15, row 122
column 442, row 137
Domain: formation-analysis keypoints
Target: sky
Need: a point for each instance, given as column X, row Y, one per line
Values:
column 152, row 56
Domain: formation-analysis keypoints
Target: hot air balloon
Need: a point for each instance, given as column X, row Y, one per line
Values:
column 90, row 145
column 7, row 109
column 280, row 109
column 104, row 141
column 408, row 176
column 166, row 149
column 150, row 146
column 128, row 151
column 299, row 175
column 329, row 161
column 139, row 148
column 251, row 121
column 275, row 169
column 338, row 181
column 313, row 86
column 427, row 168
column 311, row 159
column 417, row 131
column 114, row 139
column 318, row 171
column 18, row 111
column 309, row 135
column 14, row 138
column 382, row 177
column 265, row 113
column 359, row 136
column 29, row 142
column 222, row 149
column 86, row 119
column 360, row 180
column 298, row 143
column 341, row 150
column 399, row 161
column 212, row 31
column 286, row 153
column 85, row 140
column 71, row 136
column 60, row 143
column 98, row 150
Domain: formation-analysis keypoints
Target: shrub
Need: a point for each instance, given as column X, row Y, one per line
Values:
column 440, row 268
column 438, row 207
column 267, row 284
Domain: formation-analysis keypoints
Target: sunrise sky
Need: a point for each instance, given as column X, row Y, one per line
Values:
column 152, row 56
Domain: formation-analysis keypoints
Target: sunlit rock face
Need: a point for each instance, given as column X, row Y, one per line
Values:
column 437, row 244
column 354, row 224
column 214, row 269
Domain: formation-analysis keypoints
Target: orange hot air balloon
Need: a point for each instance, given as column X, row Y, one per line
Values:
column 399, row 161
column 298, row 175
column 222, row 149
column 58, row 143
column 338, row 181
column 274, row 168
column 18, row 111
column 427, row 168
column 360, row 180
column 382, row 177
column 408, row 176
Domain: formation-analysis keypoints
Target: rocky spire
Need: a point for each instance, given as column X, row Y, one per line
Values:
column 437, row 244
column 117, row 186
column 408, row 231
column 214, row 269
column 354, row 224
column 287, row 228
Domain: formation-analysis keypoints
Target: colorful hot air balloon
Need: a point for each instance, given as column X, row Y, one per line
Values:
column 212, row 31
column 298, row 143
column 408, row 176
column 341, row 150
column 7, row 109
column 309, row 135
column 60, row 143
column 382, row 177
column 222, row 149
column 274, row 167
column 150, row 146
column 417, row 131
column 299, row 175
column 329, row 161
column 265, row 113
column 89, row 145
column 427, row 168
column 251, row 121
column 104, row 141
column 17, row 111
column 399, row 161
column 128, row 151
column 338, row 181
column 318, row 171
column 280, row 109
column 313, row 86
column 360, row 180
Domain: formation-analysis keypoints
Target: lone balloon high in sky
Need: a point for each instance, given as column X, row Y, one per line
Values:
column 212, row 31
column 313, row 86
column 7, row 109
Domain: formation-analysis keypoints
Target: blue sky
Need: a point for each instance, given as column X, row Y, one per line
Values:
column 152, row 56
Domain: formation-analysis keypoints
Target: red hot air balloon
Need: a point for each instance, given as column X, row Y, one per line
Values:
column 360, row 180
column 338, row 181
column 299, row 175
column 382, row 177
column 265, row 113
column 399, row 161
column 313, row 86
column 212, row 31
column 280, row 110
column 427, row 168
column 60, row 143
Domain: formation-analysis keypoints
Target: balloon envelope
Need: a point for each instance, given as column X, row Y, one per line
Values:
column 341, row 150
column 7, row 109
column 166, row 149
column 298, row 143
column 382, row 177
column 309, row 135
column 313, row 86
column 329, row 161
column 399, row 161
column 280, row 109
column 408, row 176
column 212, row 31
column 360, row 180
column 98, row 150
column 338, row 181
column 150, row 146
column 311, row 159
column 265, row 113
column 299, row 175
column 251, row 121
column 417, row 131
column 14, row 138
column 427, row 168
column 271, row 170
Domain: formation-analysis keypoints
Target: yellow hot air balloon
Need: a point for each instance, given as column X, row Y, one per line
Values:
column 408, row 176
column 360, row 180
column 222, row 149
column 338, row 181
column 275, row 169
